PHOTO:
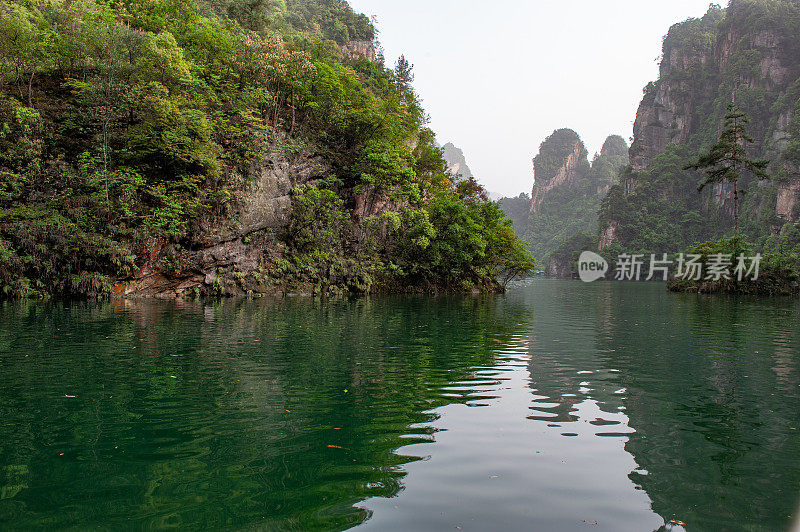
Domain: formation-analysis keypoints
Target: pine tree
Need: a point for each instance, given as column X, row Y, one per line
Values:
column 727, row 159
column 404, row 71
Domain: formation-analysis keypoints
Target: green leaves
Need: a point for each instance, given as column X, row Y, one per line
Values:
column 147, row 118
column 460, row 244
column 727, row 159
column 388, row 168
column 162, row 60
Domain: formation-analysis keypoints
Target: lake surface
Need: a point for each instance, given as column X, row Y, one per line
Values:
column 558, row 406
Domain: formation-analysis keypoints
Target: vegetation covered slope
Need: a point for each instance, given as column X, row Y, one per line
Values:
column 561, row 215
column 223, row 146
column 750, row 53
column 330, row 19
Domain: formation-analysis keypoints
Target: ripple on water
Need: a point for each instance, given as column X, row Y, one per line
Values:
column 557, row 405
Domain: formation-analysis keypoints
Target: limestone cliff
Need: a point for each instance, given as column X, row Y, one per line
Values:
column 750, row 53
column 560, row 216
column 232, row 245
column 561, row 162
column 359, row 49
column 456, row 161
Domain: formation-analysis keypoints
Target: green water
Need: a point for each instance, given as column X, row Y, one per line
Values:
column 551, row 408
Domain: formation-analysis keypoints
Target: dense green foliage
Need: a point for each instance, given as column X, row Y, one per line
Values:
column 567, row 211
column 453, row 241
column 777, row 275
column 331, row 19
column 135, row 125
column 663, row 212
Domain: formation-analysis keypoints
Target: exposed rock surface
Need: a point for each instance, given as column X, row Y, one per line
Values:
column 355, row 49
column 608, row 235
column 562, row 162
column 745, row 50
column 560, row 217
column 456, row 161
column 234, row 245
column 558, row 267
column 689, row 77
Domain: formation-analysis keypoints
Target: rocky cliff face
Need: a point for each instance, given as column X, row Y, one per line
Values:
column 749, row 52
column 690, row 73
column 607, row 164
column 561, row 162
column 456, row 161
column 234, row 245
column 560, row 217
column 359, row 49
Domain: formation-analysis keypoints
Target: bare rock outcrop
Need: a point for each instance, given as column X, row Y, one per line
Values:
column 562, row 161
column 236, row 244
column 359, row 49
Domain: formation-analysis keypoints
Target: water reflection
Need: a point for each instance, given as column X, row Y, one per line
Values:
column 702, row 391
column 560, row 406
column 281, row 414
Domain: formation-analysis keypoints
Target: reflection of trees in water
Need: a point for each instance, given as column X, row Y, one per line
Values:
column 716, row 424
column 710, row 385
column 214, row 415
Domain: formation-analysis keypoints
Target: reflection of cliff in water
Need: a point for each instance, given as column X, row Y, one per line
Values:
column 706, row 392
column 567, row 367
column 222, row 415
column 711, row 387
column 717, row 409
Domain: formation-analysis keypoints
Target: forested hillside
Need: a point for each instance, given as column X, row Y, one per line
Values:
column 169, row 147
column 749, row 54
column 561, row 214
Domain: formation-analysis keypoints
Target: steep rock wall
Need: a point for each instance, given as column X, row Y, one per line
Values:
column 356, row 49
column 235, row 244
column 749, row 52
column 567, row 175
column 568, row 171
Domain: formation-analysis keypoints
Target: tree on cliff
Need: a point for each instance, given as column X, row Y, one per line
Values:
column 404, row 71
column 727, row 159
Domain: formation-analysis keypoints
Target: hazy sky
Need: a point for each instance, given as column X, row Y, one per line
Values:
column 497, row 77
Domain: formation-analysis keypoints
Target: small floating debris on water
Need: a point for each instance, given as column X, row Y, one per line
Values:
column 70, row 396
column 335, row 447
column 173, row 377
column 591, row 522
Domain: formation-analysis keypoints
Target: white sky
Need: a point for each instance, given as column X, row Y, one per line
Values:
column 498, row 77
